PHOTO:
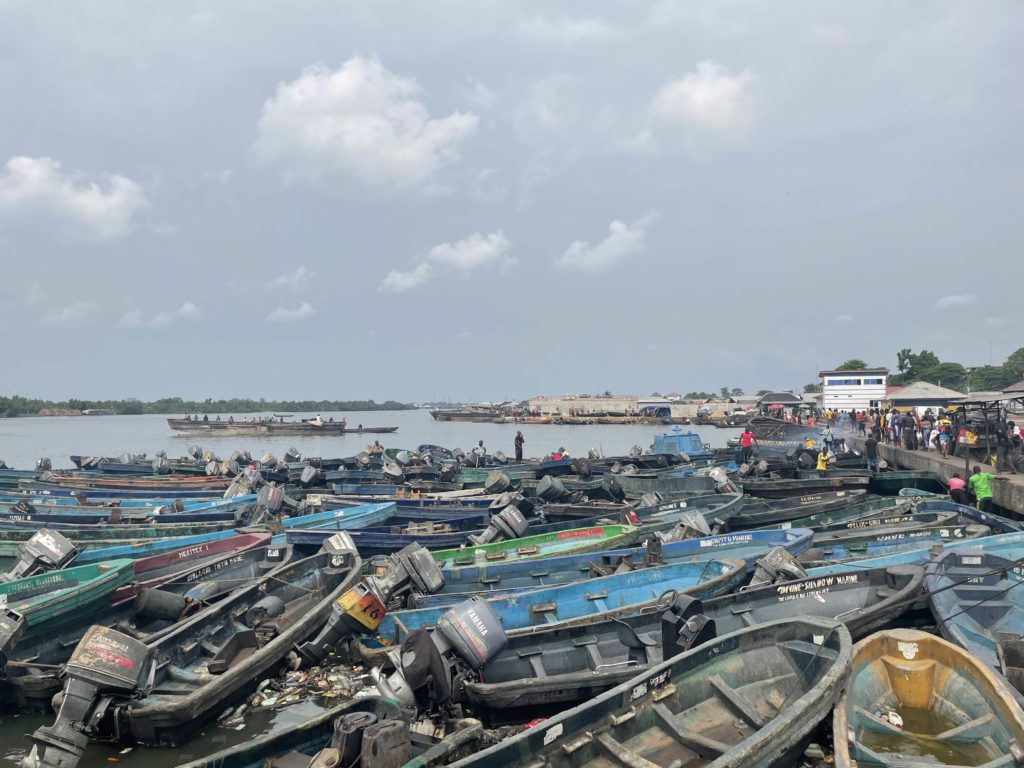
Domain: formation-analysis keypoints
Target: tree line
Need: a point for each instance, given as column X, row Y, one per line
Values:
column 26, row 406
column 926, row 366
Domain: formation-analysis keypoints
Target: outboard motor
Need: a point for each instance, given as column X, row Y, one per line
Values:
column 127, row 458
column 684, row 625
column 511, row 499
column 584, row 468
column 268, row 460
column 430, row 665
column 630, row 469
column 448, row 473
column 613, row 489
column 269, row 501
column 44, row 464
column 46, row 551
column 403, row 458
column 691, row 525
column 309, row 476
column 195, row 452
column 650, row 499
column 550, row 489
column 292, row 455
column 497, row 482
column 161, row 466
column 361, row 609
column 363, row 459
column 394, row 473
column 635, row 452
column 722, row 482
column 105, row 672
column 776, row 567
column 593, row 454
column 510, row 523
column 499, row 457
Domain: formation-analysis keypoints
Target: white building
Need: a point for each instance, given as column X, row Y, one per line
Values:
column 857, row 390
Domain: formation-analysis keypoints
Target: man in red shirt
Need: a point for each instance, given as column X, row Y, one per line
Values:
column 747, row 443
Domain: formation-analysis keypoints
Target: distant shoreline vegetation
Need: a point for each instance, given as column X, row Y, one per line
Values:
column 22, row 406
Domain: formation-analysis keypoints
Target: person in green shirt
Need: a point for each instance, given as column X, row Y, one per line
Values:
column 980, row 484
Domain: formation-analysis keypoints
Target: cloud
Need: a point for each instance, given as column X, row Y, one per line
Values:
column 995, row 322
column 843, row 319
column 37, row 186
column 137, row 318
column 400, row 282
column 282, row 315
column 623, row 241
column 73, row 314
column 359, row 123
column 566, row 30
column 956, row 300
column 473, row 252
column 479, row 95
column 477, row 251
column 710, row 97
column 299, row 280
column 219, row 176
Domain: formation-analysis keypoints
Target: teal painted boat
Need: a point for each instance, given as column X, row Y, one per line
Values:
column 37, row 603
column 590, row 600
column 915, row 700
column 876, row 505
column 572, row 541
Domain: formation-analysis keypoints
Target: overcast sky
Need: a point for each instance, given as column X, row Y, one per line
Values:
column 480, row 200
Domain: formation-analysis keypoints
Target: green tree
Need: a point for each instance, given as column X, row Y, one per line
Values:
column 950, row 375
column 762, row 392
column 724, row 392
column 736, row 392
column 852, row 365
column 812, row 388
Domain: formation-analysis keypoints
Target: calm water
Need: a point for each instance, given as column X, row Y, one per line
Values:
column 22, row 441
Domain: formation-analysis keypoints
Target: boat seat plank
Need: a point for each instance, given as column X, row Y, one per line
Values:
column 618, row 752
column 736, row 703
column 971, row 731
column 705, row 747
column 801, row 648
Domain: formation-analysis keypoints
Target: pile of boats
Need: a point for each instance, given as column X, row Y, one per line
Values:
column 662, row 607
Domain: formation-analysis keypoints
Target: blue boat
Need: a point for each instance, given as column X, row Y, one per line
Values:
column 34, row 488
column 327, row 522
column 583, row 601
column 501, row 579
column 997, row 523
column 223, row 510
column 1009, row 545
column 677, row 441
column 43, row 500
column 871, row 545
column 977, row 603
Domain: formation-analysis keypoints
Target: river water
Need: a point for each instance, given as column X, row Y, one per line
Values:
column 24, row 440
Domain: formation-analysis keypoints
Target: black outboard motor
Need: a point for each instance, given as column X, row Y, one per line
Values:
column 684, row 626
column 309, row 476
column 430, row 665
column 510, row 523
column 196, row 452
column 360, row 610
column 448, row 473
column 292, row 455
column 776, row 567
column 497, row 482
column 613, row 489
column 44, row 464
column 509, row 498
column 722, row 482
column 105, row 672
column 46, row 551
column 550, row 489
column 269, row 501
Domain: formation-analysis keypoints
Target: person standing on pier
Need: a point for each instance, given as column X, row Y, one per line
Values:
column 1004, row 442
column 871, row 452
column 519, row 445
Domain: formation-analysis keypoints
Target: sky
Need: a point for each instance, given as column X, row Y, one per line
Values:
column 484, row 200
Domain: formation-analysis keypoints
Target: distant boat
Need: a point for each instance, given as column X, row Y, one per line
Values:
column 269, row 427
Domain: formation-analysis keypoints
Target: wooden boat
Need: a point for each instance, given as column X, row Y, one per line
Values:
column 199, row 577
column 997, row 523
column 885, row 523
column 756, row 513
column 585, row 601
column 979, row 605
column 894, row 481
column 37, row 603
column 1009, row 545
column 859, row 545
column 635, row 487
column 299, row 744
column 947, row 708
column 279, row 428
column 783, row 488
column 870, row 506
column 467, row 575
column 542, row 671
column 715, row 508
column 163, row 691
column 747, row 699
column 227, row 510
column 545, row 545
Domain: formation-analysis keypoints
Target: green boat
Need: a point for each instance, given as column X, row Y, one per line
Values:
column 871, row 507
column 37, row 603
column 477, row 476
column 594, row 539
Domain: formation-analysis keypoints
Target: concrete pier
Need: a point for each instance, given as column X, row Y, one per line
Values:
column 1007, row 489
